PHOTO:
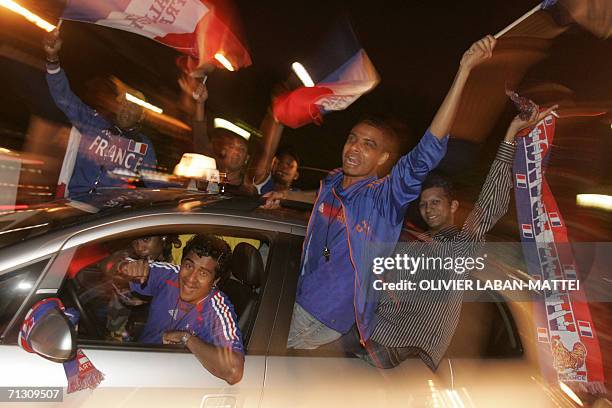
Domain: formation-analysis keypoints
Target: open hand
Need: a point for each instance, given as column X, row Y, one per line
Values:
column 480, row 51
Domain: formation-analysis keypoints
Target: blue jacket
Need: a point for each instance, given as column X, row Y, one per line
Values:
column 213, row 319
column 374, row 211
column 104, row 147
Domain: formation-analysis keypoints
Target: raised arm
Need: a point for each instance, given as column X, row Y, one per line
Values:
column 476, row 54
column 73, row 107
column 196, row 91
column 272, row 130
column 411, row 170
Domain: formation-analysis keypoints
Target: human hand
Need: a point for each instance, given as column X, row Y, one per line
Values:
column 519, row 124
column 273, row 200
column 195, row 87
column 480, row 51
column 135, row 270
column 52, row 44
column 174, row 337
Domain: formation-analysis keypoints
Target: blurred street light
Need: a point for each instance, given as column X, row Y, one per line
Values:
column 142, row 103
column 27, row 14
column 226, row 124
column 301, row 72
column 599, row 201
column 224, row 61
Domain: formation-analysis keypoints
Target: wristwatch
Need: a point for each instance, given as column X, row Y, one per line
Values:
column 185, row 338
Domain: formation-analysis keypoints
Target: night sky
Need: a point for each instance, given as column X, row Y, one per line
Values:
column 415, row 47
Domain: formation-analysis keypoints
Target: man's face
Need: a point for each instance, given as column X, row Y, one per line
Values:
column 150, row 248
column 437, row 210
column 196, row 277
column 128, row 114
column 230, row 153
column 364, row 150
column 285, row 169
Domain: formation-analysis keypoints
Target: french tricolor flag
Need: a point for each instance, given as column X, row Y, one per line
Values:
column 194, row 27
column 543, row 334
column 341, row 71
column 584, row 328
column 527, row 230
column 521, row 181
column 137, row 147
column 570, row 272
column 555, row 219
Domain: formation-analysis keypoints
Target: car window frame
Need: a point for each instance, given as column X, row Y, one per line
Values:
column 51, row 279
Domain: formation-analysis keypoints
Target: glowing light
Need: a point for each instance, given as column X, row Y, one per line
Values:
column 301, row 72
column 600, row 201
column 194, row 165
column 567, row 390
column 24, row 286
column 226, row 124
column 4, row 150
column 27, row 14
column 224, row 61
column 142, row 103
column 23, row 228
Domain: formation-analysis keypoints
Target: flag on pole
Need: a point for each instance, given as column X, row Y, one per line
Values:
column 341, row 71
column 592, row 15
column 197, row 28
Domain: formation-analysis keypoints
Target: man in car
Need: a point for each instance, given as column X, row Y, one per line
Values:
column 358, row 217
column 156, row 248
column 187, row 307
column 422, row 322
column 104, row 147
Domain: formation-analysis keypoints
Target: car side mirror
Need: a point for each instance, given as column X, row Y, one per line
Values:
column 54, row 338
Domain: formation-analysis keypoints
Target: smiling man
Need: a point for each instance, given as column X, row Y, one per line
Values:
column 358, row 217
column 422, row 323
column 187, row 307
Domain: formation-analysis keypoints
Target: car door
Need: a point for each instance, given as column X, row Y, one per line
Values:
column 330, row 377
column 146, row 376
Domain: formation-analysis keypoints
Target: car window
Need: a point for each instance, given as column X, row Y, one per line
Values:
column 486, row 329
column 14, row 288
column 113, row 314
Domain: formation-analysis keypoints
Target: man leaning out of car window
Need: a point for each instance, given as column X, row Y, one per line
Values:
column 187, row 307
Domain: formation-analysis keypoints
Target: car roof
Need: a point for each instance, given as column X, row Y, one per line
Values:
column 105, row 203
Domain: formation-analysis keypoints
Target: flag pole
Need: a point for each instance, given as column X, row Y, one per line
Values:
column 517, row 22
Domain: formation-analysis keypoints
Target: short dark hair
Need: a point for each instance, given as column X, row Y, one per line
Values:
column 288, row 151
column 443, row 182
column 208, row 245
column 389, row 127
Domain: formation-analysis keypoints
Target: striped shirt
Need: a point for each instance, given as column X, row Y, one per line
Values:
column 212, row 319
column 427, row 319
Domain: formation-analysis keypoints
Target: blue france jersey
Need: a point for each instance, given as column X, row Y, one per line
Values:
column 213, row 319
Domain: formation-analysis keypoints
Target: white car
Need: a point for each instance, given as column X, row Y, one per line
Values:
column 44, row 253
